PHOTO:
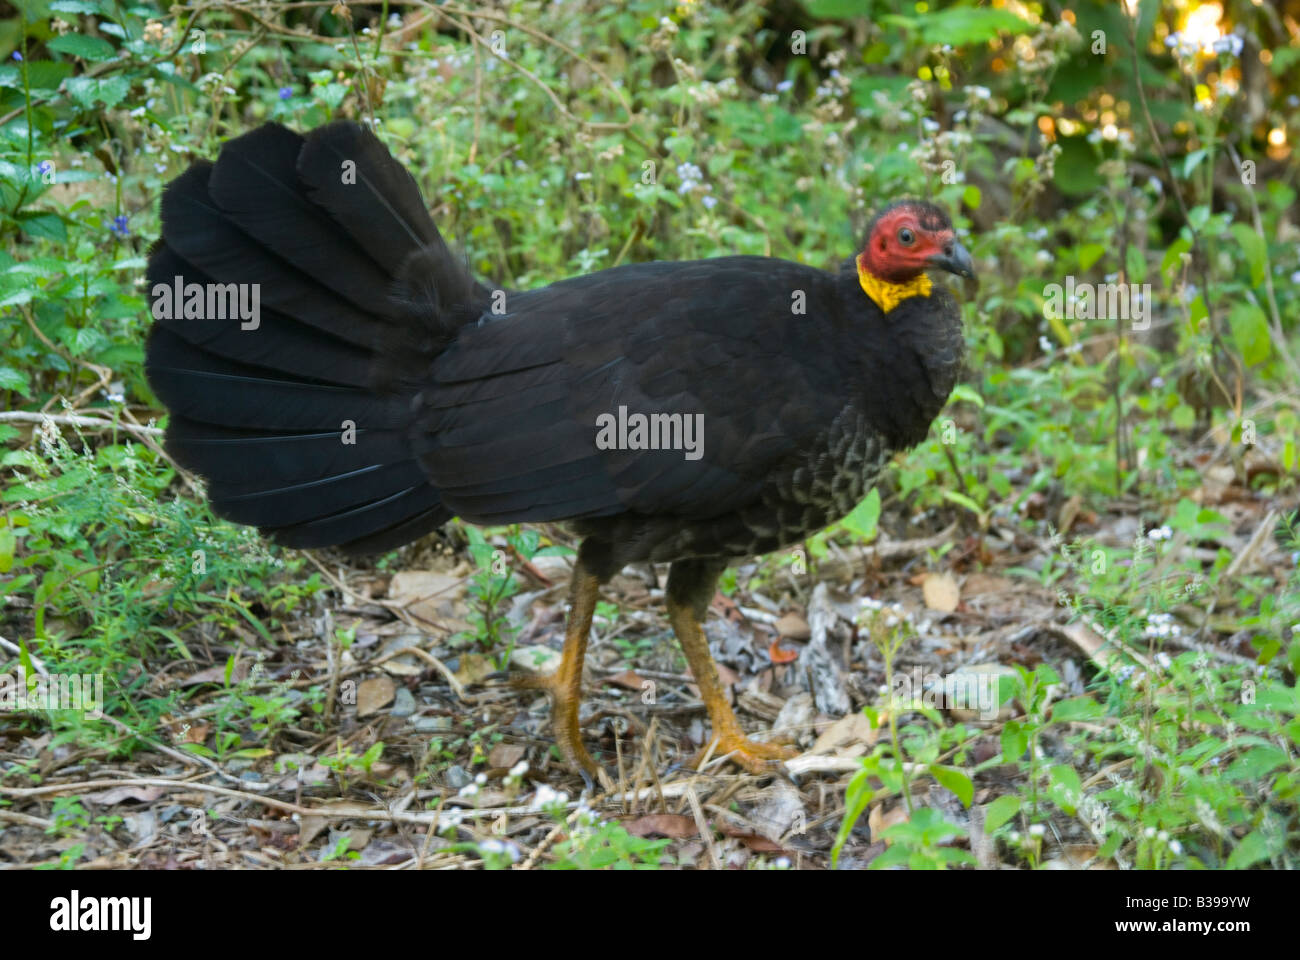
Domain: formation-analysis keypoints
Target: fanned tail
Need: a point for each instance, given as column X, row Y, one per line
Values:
column 298, row 284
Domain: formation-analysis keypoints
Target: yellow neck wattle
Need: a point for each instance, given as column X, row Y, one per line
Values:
column 889, row 295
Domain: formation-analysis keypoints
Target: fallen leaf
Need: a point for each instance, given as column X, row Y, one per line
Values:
column 374, row 694
column 941, row 592
column 428, row 596
column 672, row 825
column 777, row 655
column 115, row 795
column 473, row 667
column 879, row 821
column 628, row 680
column 849, row 736
column 793, row 627
column 506, row 755
column 217, row 674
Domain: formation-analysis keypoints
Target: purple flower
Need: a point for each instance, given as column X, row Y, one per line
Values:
column 119, row 226
column 18, row 56
column 286, row 93
column 45, row 166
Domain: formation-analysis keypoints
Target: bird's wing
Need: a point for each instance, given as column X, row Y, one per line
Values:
column 511, row 416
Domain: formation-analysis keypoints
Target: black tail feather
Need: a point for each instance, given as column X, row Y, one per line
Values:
column 298, row 419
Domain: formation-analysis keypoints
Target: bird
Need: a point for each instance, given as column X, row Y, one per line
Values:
column 339, row 378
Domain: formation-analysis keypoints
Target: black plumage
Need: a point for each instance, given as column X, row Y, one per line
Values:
column 385, row 390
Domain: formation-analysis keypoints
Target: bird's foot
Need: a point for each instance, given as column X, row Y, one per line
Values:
column 565, row 700
column 752, row 755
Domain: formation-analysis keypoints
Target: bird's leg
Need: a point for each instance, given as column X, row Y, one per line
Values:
column 565, row 685
column 690, row 588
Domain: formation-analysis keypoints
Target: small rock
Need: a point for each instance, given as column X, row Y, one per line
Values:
column 456, row 777
column 404, row 703
column 431, row 724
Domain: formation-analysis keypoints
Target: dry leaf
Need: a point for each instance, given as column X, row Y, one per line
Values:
column 941, row 592
column 115, row 795
column 628, row 680
column 848, row 736
column 473, row 667
column 672, row 825
column 374, row 694
column 506, row 755
column 428, row 596
column 793, row 627
column 879, row 821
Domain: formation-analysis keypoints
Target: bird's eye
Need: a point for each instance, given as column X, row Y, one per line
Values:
column 906, row 237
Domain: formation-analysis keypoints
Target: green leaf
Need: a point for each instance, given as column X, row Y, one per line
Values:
column 1193, row 160
column 1015, row 741
column 1000, row 811
column 972, row 197
column 1065, row 788
column 7, row 544
column 1255, row 250
column 967, row 393
column 1077, row 708
column 862, row 521
column 11, row 379
column 1256, row 763
column 1253, row 848
column 1250, row 332
column 956, row 781
column 95, row 49
column 1171, row 264
column 47, row 226
column 87, row 91
column 962, row 25
column 964, row 501
column 838, row 9
column 1089, row 253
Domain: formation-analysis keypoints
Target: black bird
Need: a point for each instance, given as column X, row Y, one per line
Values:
column 359, row 387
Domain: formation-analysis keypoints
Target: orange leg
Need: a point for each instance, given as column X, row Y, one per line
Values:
column 690, row 586
column 565, row 685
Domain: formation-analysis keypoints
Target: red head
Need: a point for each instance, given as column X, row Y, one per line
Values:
column 910, row 236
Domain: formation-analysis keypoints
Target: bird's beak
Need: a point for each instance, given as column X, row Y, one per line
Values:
column 955, row 259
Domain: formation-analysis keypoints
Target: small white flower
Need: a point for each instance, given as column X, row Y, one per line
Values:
column 1037, row 830
column 1044, row 345
column 1175, row 848
column 1159, row 533
column 519, row 769
column 546, row 797
column 1149, row 833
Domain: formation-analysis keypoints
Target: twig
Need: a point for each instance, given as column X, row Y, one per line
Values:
column 74, row 420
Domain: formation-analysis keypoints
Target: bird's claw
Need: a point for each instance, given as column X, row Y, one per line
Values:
column 753, row 756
